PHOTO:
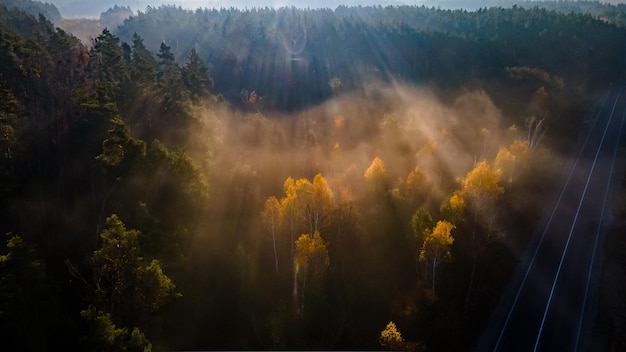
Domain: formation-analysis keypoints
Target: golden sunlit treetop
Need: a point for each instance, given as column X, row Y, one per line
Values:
column 311, row 254
column 390, row 337
column 438, row 241
column 482, row 181
column 376, row 170
column 504, row 161
column 457, row 202
column 415, row 184
column 308, row 200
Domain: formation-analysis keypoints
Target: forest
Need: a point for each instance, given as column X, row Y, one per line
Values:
column 356, row 178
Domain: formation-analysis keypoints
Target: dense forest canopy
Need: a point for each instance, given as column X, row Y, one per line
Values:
column 305, row 49
column 35, row 8
column 356, row 178
column 80, row 10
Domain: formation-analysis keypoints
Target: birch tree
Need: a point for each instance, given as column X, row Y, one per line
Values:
column 311, row 262
column 272, row 218
column 436, row 248
column 479, row 189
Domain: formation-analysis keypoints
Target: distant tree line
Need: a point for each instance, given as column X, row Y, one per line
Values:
column 35, row 8
column 289, row 56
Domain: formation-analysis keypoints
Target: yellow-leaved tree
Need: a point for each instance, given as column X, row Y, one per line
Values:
column 476, row 196
column 311, row 255
column 391, row 338
column 415, row 187
column 376, row 171
column 311, row 262
column 376, row 176
column 309, row 201
column 319, row 205
column 510, row 160
column 505, row 162
column 272, row 216
column 308, row 204
column 436, row 248
column 482, row 183
column 291, row 210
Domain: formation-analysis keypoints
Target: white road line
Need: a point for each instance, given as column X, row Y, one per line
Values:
column 595, row 244
column 571, row 172
column 569, row 236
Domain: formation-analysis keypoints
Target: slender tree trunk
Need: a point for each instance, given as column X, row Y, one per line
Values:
column 295, row 290
column 311, row 223
column 291, row 246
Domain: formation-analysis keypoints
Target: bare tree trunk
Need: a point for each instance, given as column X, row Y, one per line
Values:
column 295, row 290
column 274, row 244
column 536, row 131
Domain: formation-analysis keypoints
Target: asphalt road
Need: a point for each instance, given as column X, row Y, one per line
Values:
column 551, row 300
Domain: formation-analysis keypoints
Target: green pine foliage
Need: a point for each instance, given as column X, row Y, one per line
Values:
column 306, row 49
column 104, row 336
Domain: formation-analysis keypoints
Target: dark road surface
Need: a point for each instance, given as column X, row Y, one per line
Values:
column 551, row 299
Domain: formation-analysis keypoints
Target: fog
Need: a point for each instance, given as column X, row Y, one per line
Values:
column 247, row 155
column 407, row 127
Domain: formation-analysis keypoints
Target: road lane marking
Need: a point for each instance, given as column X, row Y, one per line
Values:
column 595, row 244
column 556, row 205
column 569, row 236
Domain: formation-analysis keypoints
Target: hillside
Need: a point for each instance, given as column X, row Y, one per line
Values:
column 356, row 178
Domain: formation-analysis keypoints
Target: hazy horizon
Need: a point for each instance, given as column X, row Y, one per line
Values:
column 83, row 8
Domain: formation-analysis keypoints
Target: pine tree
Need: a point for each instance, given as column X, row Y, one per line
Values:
column 143, row 64
column 196, row 77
